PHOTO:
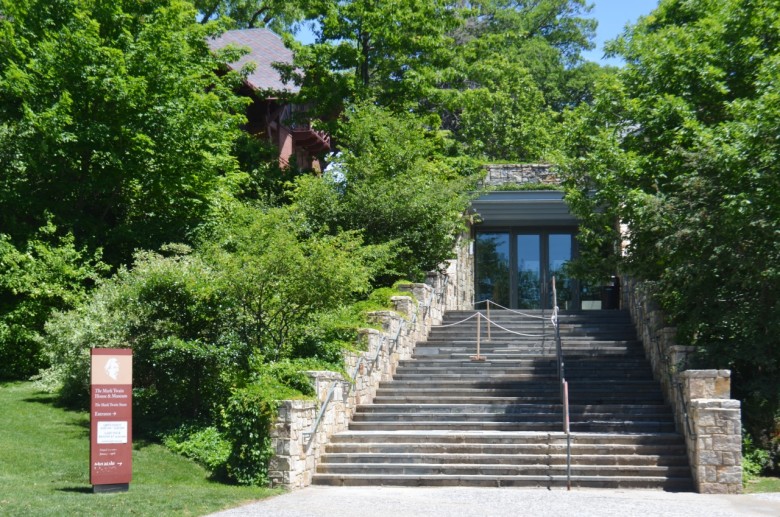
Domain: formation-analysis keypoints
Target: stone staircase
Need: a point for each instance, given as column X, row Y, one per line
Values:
column 446, row 420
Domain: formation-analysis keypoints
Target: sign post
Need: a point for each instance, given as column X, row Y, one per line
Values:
column 111, row 420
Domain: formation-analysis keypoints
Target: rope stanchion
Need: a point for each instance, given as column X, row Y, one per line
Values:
column 479, row 357
column 488, row 318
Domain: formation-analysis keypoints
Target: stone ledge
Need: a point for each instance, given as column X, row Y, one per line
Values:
column 705, row 374
column 716, row 404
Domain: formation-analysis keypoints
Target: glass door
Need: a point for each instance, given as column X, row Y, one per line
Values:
column 514, row 268
column 492, row 268
column 559, row 253
column 529, row 271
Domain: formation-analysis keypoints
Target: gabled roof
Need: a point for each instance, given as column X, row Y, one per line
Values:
column 265, row 48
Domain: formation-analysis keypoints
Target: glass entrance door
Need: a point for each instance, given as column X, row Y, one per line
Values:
column 529, row 271
column 514, row 268
column 493, row 260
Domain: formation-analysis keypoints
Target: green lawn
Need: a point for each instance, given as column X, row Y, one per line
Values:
column 44, row 468
column 765, row 484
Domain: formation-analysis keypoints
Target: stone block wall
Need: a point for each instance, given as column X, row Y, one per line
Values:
column 304, row 427
column 715, row 446
column 519, row 174
column 457, row 283
column 701, row 399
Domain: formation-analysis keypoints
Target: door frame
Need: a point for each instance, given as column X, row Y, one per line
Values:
column 543, row 232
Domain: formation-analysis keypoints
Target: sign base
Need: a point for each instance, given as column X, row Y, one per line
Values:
column 110, row 489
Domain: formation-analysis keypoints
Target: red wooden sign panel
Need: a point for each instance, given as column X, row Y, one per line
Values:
column 111, row 442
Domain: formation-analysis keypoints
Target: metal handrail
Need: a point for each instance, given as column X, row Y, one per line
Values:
column 309, row 435
column 564, row 384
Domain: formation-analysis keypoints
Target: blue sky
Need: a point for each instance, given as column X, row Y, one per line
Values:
column 613, row 15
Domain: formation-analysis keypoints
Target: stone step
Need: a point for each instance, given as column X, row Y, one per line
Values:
column 564, row 317
column 591, row 385
column 544, row 481
column 537, row 359
column 514, row 438
column 550, row 425
column 545, row 399
column 539, row 375
column 497, row 416
column 576, row 392
column 604, row 452
column 491, row 470
column 446, row 420
column 633, row 409
column 551, row 459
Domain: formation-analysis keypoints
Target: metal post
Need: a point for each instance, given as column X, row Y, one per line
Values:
column 478, row 357
column 566, row 429
column 488, row 320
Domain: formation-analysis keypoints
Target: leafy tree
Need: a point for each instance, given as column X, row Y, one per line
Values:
column 113, row 121
column 517, row 65
column 280, row 270
column 211, row 327
column 683, row 151
column 543, row 37
column 278, row 15
column 49, row 274
column 246, row 291
column 394, row 183
column 389, row 51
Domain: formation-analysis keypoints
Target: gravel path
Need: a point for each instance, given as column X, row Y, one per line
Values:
column 316, row 501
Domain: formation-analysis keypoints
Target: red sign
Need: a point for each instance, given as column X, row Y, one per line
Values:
column 111, row 444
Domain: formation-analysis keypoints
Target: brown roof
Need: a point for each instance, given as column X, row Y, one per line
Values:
column 265, row 48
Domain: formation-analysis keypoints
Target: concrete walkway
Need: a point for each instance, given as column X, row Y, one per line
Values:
column 317, row 501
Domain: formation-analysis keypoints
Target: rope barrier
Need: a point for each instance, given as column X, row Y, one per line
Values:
column 512, row 331
column 457, row 322
column 492, row 323
column 491, row 302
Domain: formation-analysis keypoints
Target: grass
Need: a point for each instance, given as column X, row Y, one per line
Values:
column 762, row 484
column 44, row 468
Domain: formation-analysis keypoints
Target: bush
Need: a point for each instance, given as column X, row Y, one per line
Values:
column 247, row 419
column 292, row 372
column 393, row 183
column 205, row 445
column 167, row 311
column 47, row 274
column 754, row 459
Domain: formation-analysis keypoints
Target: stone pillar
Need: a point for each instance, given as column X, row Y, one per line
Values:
column 700, row 399
column 715, row 444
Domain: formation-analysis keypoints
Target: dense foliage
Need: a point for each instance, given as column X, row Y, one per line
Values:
column 49, row 273
column 495, row 73
column 682, row 150
column 207, row 326
column 393, row 182
column 113, row 122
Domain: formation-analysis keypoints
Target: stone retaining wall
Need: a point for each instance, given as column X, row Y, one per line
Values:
column 701, row 399
column 519, row 174
column 297, row 444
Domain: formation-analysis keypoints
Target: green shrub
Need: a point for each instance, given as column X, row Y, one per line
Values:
column 247, row 419
column 292, row 372
column 47, row 274
column 395, row 186
column 754, row 459
column 205, row 445
column 329, row 333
